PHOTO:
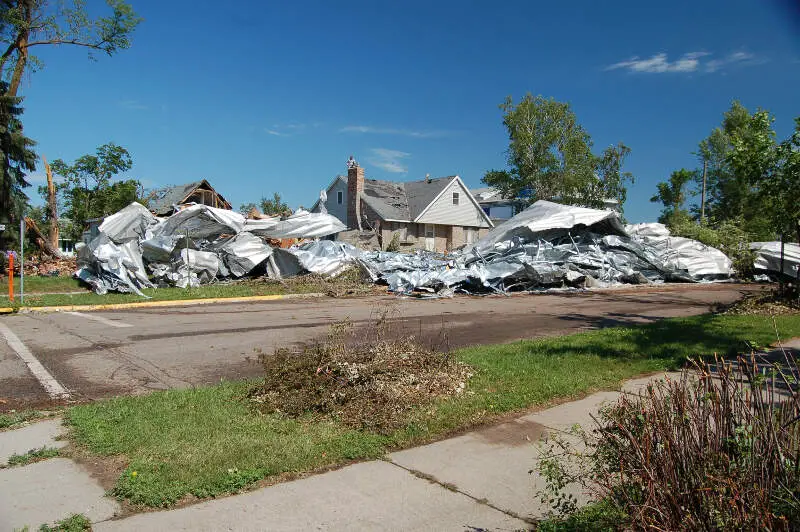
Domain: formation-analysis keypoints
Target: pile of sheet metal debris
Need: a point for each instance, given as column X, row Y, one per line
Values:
column 550, row 245
column 197, row 245
column 768, row 260
column 546, row 246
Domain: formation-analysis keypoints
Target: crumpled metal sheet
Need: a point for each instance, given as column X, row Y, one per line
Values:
column 304, row 224
column 768, row 257
column 106, row 266
column 326, row 257
column 131, row 223
column 193, row 268
column 202, row 221
column 546, row 219
column 243, row 253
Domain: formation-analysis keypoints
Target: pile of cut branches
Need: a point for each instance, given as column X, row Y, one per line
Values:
column 368, row 379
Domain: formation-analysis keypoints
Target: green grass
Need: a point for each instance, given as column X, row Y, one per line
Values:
column 12, row 419
column 208, row 441
column 38, row 284
column 73, row 523
column 166, row 294
column 34, row 455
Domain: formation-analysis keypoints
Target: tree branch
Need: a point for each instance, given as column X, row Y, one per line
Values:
column 66, row 41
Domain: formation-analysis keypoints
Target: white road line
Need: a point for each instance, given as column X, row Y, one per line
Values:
column 104, row 321
column 50, row 384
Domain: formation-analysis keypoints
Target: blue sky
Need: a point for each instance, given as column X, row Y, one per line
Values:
column 275, row 96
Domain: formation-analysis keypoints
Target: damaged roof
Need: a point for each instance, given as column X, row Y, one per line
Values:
column 161, row 201
column 402, row 201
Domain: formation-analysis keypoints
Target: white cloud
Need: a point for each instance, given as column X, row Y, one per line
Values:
column 395, row 131
column 688, row 62
column 659, row 63
column 276, row 133
column 389, row 160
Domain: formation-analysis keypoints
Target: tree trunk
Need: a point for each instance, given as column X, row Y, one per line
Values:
column 703, row 196
column 40, row 240
column 26, row 12
column 52, row 206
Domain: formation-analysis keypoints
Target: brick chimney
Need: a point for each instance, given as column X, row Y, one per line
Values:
column 355, row 186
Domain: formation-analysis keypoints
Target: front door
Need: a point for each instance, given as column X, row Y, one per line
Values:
column 430, row 237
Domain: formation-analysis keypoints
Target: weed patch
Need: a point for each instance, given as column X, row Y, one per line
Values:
column 34, row 455
column 73, row 523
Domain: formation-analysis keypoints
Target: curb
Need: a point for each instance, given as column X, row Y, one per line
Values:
column 167, row 303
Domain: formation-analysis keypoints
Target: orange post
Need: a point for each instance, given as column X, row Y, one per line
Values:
column 10, row 277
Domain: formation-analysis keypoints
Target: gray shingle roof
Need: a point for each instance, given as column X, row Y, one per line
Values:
column 163, row 199
column 402, row 201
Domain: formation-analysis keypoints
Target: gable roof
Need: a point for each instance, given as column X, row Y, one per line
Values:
column 408, row 201
column 162, row 200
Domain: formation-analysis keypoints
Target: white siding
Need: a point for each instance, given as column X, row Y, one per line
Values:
column 332, row 204
column 442, row 211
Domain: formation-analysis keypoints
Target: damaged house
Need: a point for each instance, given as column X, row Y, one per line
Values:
column 164, row 201
column 435, row 214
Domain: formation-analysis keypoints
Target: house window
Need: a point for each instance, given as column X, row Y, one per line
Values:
column 455, row 198
column 339, row 196
column 430, row 231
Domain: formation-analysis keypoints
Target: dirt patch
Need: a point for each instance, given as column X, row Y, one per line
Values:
column 769, row 303
column 372, row 381
column 514, row 433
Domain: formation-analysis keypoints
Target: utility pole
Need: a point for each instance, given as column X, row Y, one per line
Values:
column 703, row 195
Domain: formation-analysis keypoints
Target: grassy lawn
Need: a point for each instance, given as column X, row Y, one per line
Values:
column 38, row 284
column 209, row 441
column 158, row 294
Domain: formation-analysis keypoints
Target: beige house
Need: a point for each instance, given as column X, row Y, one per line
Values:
column 437, row 214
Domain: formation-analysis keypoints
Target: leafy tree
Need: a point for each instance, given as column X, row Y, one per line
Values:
column 550, row 157
column 612, row 178
column 25, row 24
column 87, row 189
column 274, row 206
column 783, row 187
column 672, row 195
column 17, row 158
column 741, row 155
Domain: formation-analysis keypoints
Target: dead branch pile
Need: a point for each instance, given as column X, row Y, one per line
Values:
column 365, row 379
column 41, row 264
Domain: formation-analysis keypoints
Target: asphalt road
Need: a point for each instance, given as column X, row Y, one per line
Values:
column 101, row 354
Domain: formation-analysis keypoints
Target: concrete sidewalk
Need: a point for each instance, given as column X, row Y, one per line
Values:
column 478, row 480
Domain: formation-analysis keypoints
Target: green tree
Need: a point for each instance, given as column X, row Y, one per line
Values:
column 274, row 206
column 672, row 196
column 741, row 155
column 612, row 178
column 17, row 158
column 26, row 24
column 783, row 187
column 87, row 188
column 550, row 157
